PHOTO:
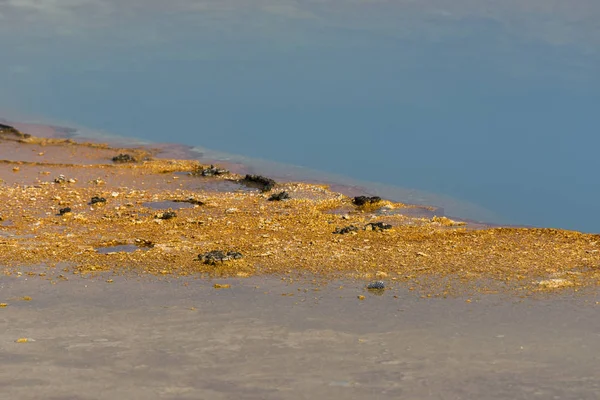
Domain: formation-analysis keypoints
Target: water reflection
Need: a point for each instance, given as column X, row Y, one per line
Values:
column 488, row 102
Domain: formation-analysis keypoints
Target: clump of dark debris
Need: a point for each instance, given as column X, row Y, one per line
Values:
column 377, row 226
column 64, row 211
column 363, row 200
column 279, row 196
column 210, row 171
column 7, row 128
column 166, row 215
column 377, row 285
column 12, row 130
column 265, row 184
column 123, row 158
column 97, row 199
column 345, row 230
column 219, row 256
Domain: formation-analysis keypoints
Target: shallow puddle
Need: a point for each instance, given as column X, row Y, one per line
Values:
column 288, row 340
column 14, row 236
column 168, row 204
column 211, row 184
column 122, row 248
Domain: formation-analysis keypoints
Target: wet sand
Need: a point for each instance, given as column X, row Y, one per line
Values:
column 267, row 338
column 174, row 215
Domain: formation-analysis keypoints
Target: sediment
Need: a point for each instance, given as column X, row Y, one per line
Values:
column 118, row 203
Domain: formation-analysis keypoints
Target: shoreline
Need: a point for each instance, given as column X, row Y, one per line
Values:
column 160, row 216
column 440, row 205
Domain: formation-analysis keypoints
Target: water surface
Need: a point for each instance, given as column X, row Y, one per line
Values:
column 264, row 338
column 491, row 104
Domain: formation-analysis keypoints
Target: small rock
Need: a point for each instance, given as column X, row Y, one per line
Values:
column 64, row 211
column 97, row 199
column 9, row 129
column 123, row 158
column 210, row 171
column 166, row 215
column 345, row 230
column 377, row 285
column 62, row 179
column 362, row 200
column 377, row 226
column 264, row 183
column 218, row 256
column 279, row 196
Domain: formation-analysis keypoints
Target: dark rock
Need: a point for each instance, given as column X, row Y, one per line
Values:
column 265, row 184
column 279, row 196
column 377, row 226
column 9, row 129
column 97, row 199
column 218, row 256
column 64, row 211
column 210, row 171
column 377, row 285
column 346, row 229
column 166, row 215
column 123, row 158
column 362, row 200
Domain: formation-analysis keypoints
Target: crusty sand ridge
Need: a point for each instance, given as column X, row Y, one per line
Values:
column 168, row 214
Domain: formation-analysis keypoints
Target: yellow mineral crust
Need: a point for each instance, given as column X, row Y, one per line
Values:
column 274, row 237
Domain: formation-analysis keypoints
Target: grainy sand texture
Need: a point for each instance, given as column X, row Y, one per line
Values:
column 74, row 203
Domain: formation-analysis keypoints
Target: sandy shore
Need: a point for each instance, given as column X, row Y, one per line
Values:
column 111, row 300
column 49, row 217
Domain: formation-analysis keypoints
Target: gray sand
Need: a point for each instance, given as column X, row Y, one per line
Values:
column 183, row 339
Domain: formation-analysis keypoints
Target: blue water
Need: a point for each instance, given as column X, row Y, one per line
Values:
column 493, row 104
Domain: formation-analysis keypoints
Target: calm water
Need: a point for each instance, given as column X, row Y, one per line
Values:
column 492, row 104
